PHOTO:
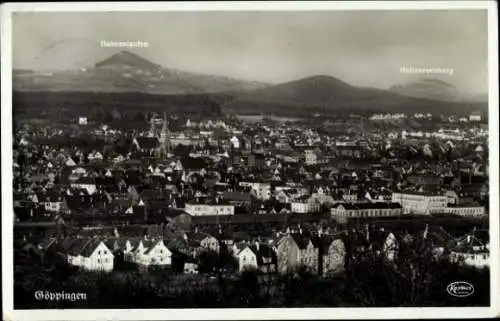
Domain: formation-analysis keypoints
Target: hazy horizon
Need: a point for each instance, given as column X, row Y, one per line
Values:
column 362, row 48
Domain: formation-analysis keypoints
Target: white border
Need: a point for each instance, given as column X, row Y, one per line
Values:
column 243, row 314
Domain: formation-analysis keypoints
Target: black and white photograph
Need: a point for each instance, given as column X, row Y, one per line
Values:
column 179, row 161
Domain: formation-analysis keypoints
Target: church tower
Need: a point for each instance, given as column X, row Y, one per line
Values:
column 165, row 136
column 152, row 127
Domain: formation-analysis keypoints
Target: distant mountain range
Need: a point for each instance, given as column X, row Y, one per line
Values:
column 431, row 88
column 324, row 94
column 128, row 72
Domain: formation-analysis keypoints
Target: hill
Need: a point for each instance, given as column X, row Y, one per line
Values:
column 129, row 72
column 327, row 94
column 62, row 106
column 436, row 89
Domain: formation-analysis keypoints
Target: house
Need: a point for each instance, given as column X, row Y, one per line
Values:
column 453, row 197
column 261, row 191
column 283, row 196
column 190, row 268
column 148, row 252
column 82, row 121
column 311, row 158
column 237, row 198
column 333, row 254
column 210, row 243
column 421, row 203
column 247, row 259
column 86, row 183
column 306, row 204
column 256, row 160
column 350, row 197
column 89, row 253
column 472, row 250
column 350, row 151
column 202, row 241
column 475, row 116
column 267, row 260
column 296, row 250
column 53, row 202
column 235, row 142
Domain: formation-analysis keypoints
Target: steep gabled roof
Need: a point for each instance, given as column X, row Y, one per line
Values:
column 264, row 251
column 91, row 247
column 148, row 142
column 192, row 163
column 152, row 245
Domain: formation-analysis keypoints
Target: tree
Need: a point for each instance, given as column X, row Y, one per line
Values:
column 208, row 261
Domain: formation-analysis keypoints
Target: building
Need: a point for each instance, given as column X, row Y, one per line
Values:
column 472, row 250
column 237, row 198
column 390, row 247
column 86, row 183
column 247, row 259
column 259, row 190
column 311, row 158
column 333, row 257
column 190, row 268
column 296, row 250
column 90, row 254
column 256, row 160
column 356, row 210
column 82, row 121
column 421, row 203
column 267, row 261
column 202, row 242
column 475, row 116
column 165, row 136
column 306, row 204
column 196, row 209
column 148, row 252
column 468, row 210
column 53, row 202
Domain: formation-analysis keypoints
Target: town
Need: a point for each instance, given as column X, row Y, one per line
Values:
column 272, row 195
column 264, row 159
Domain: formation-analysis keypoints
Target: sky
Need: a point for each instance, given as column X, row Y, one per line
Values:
column 363, row 48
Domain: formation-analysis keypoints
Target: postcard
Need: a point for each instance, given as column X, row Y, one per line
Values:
column 250, row 160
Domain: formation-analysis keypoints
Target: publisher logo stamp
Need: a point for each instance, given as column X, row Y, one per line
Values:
column 460, row 289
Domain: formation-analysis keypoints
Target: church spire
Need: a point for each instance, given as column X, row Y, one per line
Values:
column 152, row 127
column 165, row 135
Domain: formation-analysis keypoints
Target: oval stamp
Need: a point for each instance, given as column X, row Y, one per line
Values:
column 460, row 289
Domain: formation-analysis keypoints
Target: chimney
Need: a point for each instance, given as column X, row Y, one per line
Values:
column 257, row 246
column 116, row 232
